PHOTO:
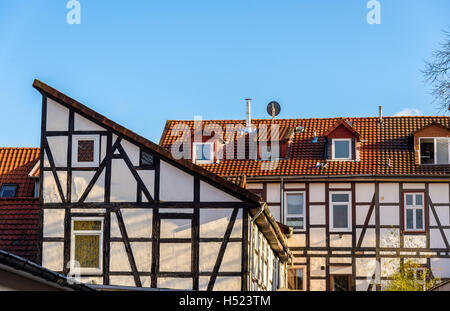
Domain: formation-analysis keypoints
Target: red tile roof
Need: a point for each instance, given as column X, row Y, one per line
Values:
column 19, row 215
column 385, row 149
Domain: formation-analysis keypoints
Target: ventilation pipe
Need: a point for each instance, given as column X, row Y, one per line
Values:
column 249, row 115
column 380, row 113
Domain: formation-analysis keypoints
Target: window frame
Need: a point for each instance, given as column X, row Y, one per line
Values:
column 9, row 185
column 350, row 148
column 287, row 215
column 435, row 150
column 194, row 153
column 349, row 212
column 146, row 166
column 73, row 233
column 75, row 139
column 424, row 212
column 303, row 268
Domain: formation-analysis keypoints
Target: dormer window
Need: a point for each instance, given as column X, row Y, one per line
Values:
column 8, row 191
column 203, row 153
column 435, row 150
column 341, row 148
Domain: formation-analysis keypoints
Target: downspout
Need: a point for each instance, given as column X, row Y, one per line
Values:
column 261, row 210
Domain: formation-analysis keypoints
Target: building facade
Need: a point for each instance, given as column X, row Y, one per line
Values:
column 117, row 209
column 361, row 194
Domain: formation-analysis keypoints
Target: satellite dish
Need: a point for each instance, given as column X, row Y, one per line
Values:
column 273, row 109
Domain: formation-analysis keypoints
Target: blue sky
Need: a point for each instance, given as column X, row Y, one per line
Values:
column 143, row 63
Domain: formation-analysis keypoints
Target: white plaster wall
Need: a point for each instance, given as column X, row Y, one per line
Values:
column 223, row 283
column 209, row 193
column 361, row 214
column 344, row 240
column 52, row 255
column 175, row 257
column 173, row 178
column 364, row 192
column 54, row 223
column 50, row 193
column 389, row 238
column 443, row 215
column 436, row 240
column 83, row 124
column 148, row 178
column 294, row 186
column 365, row 267
column 362, row 285
column 318, row 285
column 175, row 228
column 297, row 240
column 317, row 237
column 413, row 186
column 142, row 252
column 316, row 192
column 317, row 214
column 254, row 186
column 316, row 264
column 231, row 260
column 58, row 147
column 115, row 230
column 123, row 183
column 273, row 193
column 214, row 222
column 369, row 239
column 389, row 266
column 80, row 181
column 122, row 280
column 389, row 215
column 57, row 116
column 133, row 152
column 440, row 267
column 340, row 185
column 439, row 193
column 275, row 211
column 341, row 270
column 118, row 257
column 138, row 222
column 389, row 192
column 415, row 241
column 175, row 283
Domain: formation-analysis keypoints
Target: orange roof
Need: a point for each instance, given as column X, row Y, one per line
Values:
column 385, row 149
column 19, row 216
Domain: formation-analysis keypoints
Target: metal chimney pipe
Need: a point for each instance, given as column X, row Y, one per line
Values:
column 249, row 116
column 380, row 110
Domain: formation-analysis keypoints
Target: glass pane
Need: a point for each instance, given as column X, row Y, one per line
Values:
column 409, row 199
column 147, row 158
column 442, row 151
column 409, row 219
column 203, row 152
column 8, row 191
column 419, row 199
column 339, row 197
column 341, row 283
column 340, row 215
column 295, row 222
column 419, row 219
column 294, row 204
column 85, row 151
column 427, row 151
column 341, row 149
column 87, row 250
column 87, row 225
column 295, row 279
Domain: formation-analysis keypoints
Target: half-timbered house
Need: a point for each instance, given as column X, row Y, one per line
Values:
column 117, row 209
column 362, row 194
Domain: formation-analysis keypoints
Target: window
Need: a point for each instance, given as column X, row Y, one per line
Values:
column 36, row 189
column 295, row 279
column 86, row 248
column 85, row 151
column 414, row 212
column 341, row 149
column 341, row 283
column 295, row 210
column 146, row 159
column 340, row 211
column 203, row 153
column 435, row 150
column 8, row 191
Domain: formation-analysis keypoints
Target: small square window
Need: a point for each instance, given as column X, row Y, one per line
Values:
column 203, row 153
column 146, row 159
column 295, row 279
column 8, row 191
column 342, row 149
column 85, row 150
